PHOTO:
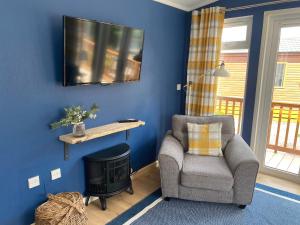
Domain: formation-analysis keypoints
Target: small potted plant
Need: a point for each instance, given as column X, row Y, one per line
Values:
column 76, row 116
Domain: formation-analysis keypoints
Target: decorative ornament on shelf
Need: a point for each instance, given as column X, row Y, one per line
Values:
column 76, row 115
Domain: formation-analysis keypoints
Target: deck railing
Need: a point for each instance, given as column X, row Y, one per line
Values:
column 231, row 106
column 283, row 128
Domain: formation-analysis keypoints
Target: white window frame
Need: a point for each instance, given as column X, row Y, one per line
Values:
column 237, row 22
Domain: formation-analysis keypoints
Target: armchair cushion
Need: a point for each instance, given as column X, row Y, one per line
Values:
column 205, row 139
column 206, row 172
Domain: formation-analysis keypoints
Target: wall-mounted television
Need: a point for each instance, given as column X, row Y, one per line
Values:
column 101, row 53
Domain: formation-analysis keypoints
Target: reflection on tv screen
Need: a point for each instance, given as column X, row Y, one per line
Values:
column 101, row 53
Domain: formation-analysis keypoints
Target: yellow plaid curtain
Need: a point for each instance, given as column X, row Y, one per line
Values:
column 204, row 53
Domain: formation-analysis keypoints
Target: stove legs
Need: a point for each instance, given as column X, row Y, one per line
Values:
column 103, row 203
column 102, row 200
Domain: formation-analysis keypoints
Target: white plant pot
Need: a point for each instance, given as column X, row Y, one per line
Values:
column 79, row 129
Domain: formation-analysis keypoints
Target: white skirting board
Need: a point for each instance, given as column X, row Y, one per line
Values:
column 90, row 200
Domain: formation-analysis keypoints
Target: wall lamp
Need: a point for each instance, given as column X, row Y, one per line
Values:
column 220, row 71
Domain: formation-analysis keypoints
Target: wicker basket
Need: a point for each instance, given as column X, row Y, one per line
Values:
column 62, row 209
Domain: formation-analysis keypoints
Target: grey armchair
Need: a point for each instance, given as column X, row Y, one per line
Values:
column 228, row 179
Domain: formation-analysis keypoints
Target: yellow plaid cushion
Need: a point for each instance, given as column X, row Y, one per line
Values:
column 205, row 139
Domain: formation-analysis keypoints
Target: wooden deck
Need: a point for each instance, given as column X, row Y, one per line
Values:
column 282, row 161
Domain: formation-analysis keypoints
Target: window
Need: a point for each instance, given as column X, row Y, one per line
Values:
column 230, row 91
column 232, row 34
column 237, row 33
column 279, row 76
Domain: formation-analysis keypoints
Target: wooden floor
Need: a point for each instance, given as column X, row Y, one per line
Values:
column 282, row 161
column 145, row 182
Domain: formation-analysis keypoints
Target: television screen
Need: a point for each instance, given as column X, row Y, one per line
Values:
column 101, row 53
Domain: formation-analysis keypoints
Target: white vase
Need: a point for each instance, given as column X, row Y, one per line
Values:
column 79, row 129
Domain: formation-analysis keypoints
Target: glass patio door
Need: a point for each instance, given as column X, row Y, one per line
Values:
column 283, row 145
column 278, row 106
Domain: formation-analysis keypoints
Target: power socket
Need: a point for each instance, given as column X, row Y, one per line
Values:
column 33, row 182
column 55, row 174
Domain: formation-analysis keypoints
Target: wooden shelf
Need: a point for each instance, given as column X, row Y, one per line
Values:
column 98, row 132
column 101, row 131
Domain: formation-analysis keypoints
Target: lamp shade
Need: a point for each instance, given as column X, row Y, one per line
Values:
column 221, row 71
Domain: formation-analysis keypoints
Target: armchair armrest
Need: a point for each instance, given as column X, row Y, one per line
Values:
column 170, row 162
column 244, row 167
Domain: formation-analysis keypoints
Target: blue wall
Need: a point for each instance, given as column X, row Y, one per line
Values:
column 32, row 95
column 258, row 15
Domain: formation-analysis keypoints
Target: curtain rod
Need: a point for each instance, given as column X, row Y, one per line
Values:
column 260, row 4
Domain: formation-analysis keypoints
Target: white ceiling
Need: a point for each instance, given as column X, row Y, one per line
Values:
column 186, row 5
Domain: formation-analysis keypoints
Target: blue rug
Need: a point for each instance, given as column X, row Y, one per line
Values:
column 269, row 206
